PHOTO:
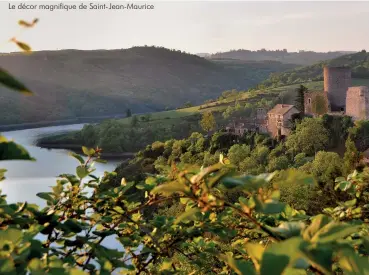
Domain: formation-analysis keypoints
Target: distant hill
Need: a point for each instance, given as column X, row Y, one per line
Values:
column 358, row 62
column 74, row 83
column 203, row 54
column 300, row 58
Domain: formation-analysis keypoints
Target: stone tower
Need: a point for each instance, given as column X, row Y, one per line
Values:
column 357, row 102
column 337, row 80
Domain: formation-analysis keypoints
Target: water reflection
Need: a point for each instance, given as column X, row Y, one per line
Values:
column 24, row 179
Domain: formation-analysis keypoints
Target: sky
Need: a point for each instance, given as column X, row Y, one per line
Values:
column 192, row 26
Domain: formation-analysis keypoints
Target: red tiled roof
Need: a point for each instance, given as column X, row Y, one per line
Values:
column 281, row 109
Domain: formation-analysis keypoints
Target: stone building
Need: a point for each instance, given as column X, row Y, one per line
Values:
column 254, row 124
column 357, row 102
column 316, row 103
column 279, row 120
column 337, row 80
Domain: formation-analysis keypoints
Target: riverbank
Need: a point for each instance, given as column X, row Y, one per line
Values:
column 78, row 149
column 41, row 124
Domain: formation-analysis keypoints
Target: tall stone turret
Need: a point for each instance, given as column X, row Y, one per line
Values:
column 337, row 80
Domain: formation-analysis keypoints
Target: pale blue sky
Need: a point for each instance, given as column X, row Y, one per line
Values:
column 196, row 26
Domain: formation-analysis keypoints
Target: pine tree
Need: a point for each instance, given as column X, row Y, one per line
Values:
column 128, row 113
column 351, row 157
column 300, row 100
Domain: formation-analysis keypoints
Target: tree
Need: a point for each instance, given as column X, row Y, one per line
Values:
column 128, row 113
column 188, row 104
column 237, row 153
column 326, row 167
column 300, row 100
column 134, row 121
column 207, row 122
column 309, row 137
column 351, row 157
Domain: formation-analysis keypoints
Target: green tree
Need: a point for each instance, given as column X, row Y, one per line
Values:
column 134, row 121
column 351, row 157
column 278, row 163
column 325, row 167
column 128, row 113
column 237, row 153
column 300, row 99
column 207, row 122
column 309, row 137
column 188, row 104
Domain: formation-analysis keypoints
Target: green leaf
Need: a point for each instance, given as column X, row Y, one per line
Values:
column 45, row 196
column 289, row 229
column 10, row 235
column 73, row 225
column 279, row 256
column 352, row 263
column 255, row 251
column 334, row 231
column 9, row 150
column 187, row 216
column 76, row 271
column 78, row 157
column 82, row 171
column 170, row 188
column 88, row 151
column 9, row 81
column 318, row 222
column 239, row 266
column 100, row 160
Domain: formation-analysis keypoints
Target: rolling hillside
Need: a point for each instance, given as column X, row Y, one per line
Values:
column 358, row 62
column 73, row 83
column 300, row 58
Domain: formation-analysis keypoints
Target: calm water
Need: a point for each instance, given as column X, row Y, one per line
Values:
column 25, row 179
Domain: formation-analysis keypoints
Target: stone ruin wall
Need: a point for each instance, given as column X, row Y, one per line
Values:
column 357, row 102
column 337, row 80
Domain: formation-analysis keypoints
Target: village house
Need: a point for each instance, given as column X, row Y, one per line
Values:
column 279, row 119
column 256, row 124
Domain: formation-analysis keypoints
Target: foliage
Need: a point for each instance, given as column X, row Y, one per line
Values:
column 351, row 157
column 207, row 122
column 300, row 99
column 75, row 225
column 309, row 137
column 325, row 167
column 296, row 187
column 319, row 104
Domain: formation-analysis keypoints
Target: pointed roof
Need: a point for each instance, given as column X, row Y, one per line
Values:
column 281, row 109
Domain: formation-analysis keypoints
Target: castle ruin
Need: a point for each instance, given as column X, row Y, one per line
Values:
column 339, row 96
column 357, row 102
column 337, row 80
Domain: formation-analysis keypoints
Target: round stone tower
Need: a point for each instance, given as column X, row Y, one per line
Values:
column 337, row 80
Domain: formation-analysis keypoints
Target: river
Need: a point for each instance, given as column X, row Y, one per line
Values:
column 24, row 179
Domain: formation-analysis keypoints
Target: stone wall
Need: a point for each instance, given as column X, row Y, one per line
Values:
column 336, row 82
column 357, row 102
column 316, row 103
